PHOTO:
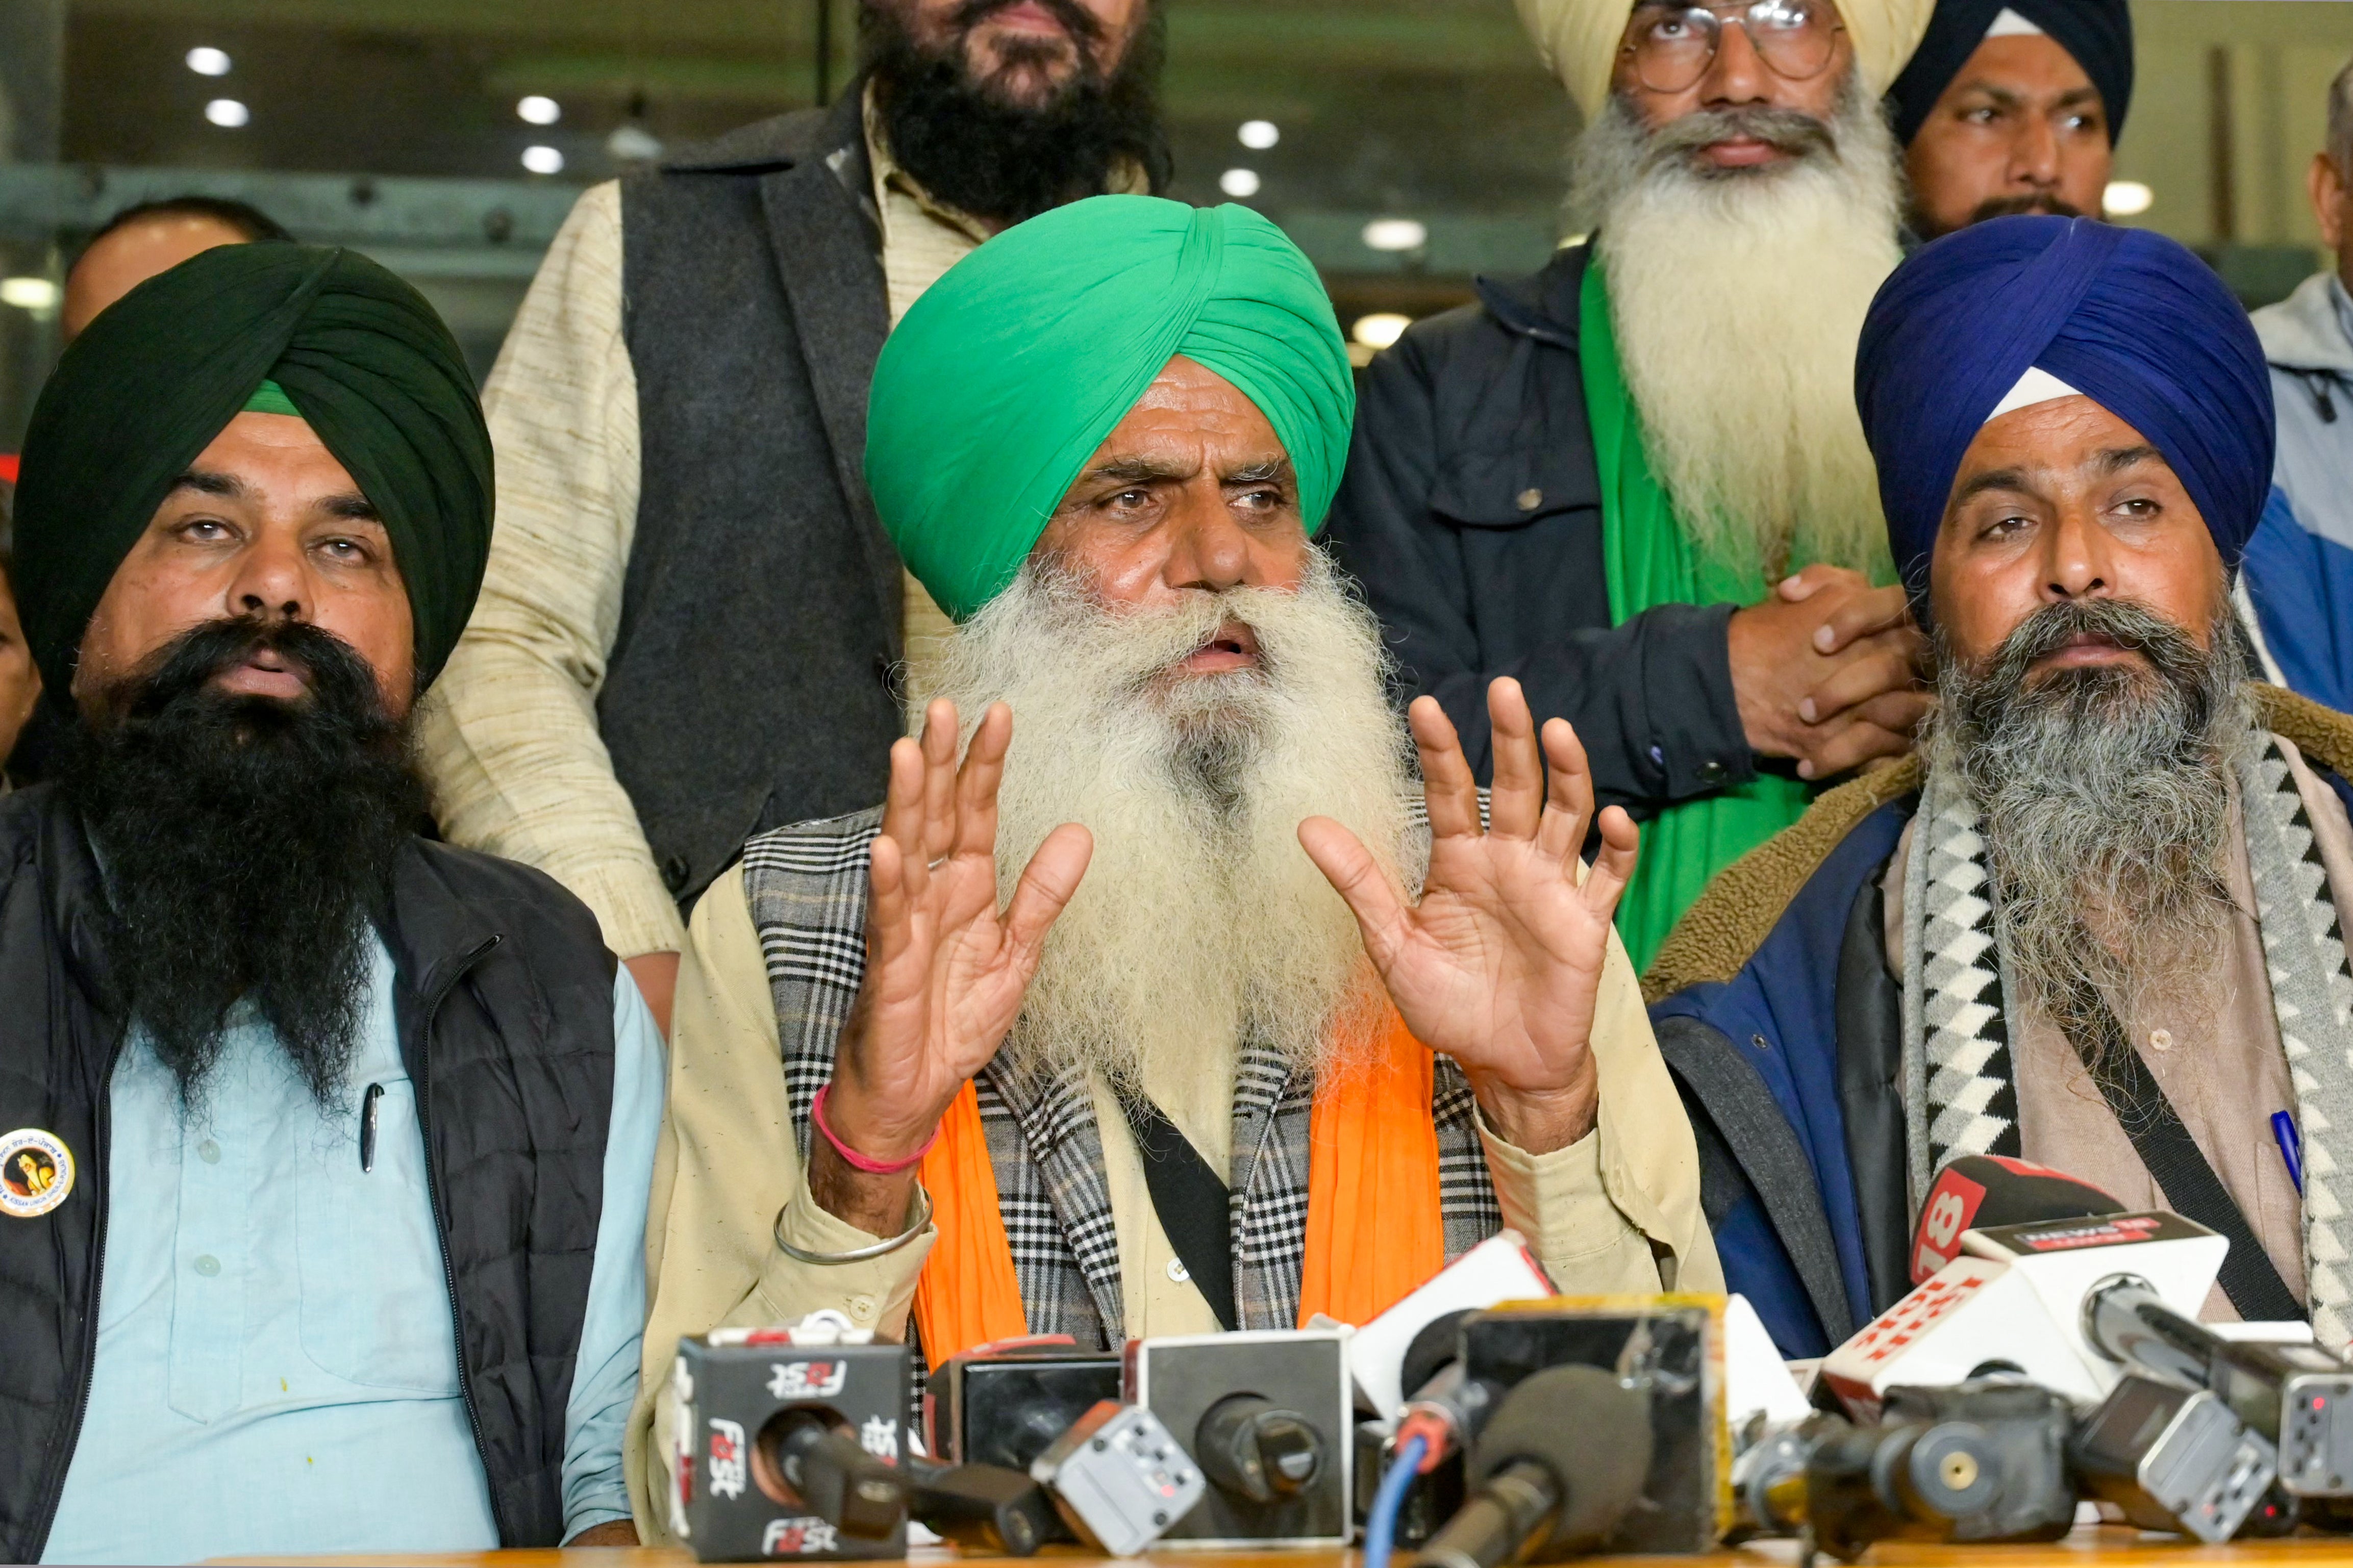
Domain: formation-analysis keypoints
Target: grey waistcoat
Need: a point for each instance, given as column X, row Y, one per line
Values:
column 750, row 683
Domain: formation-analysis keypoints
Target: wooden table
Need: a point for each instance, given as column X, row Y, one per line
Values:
column 2087, row 1547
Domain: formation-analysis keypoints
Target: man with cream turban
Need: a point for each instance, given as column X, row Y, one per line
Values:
column 1103, row 442
column 1634, row 482
column 330, row 1142
column 2119, row 872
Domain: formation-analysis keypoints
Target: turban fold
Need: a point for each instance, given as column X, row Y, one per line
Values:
column 998, row 387
column 1578, row 41
column 156, row 375
column 2127, row 317
column 2096, row 33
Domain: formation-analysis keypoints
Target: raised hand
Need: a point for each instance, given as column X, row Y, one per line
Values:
column 1499, row 964
column 945, row 969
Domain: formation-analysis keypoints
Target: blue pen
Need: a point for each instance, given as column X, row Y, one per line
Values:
column 2291, row 1144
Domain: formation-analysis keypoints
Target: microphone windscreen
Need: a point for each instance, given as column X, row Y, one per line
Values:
column 1977, row 1191
column 1591, row 1431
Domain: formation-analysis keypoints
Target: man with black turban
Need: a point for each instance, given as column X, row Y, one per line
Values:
column 324, row 1147
column 1103, row 442
column 2120, row 872
column 2013, row 106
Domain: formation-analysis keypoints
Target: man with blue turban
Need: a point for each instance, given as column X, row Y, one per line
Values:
column 2119, row 872
column 1076, row 1039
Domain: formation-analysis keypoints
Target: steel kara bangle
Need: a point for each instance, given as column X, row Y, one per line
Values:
column 856, row 1254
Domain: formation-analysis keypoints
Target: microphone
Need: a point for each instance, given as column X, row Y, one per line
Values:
column 1382, row 1355
column 833, row 1476
column 2173, row 1458
column 985, row 1507
column 1983, row 1190
column 2298, row 1397
column 2027, row 1244
column 1556, row 1466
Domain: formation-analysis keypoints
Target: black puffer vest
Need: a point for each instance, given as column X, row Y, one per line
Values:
column 505, row 1012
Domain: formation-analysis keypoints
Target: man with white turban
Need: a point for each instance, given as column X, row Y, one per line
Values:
column 1635, row 481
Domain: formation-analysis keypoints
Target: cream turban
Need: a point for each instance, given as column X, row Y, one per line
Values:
column 1578, row 41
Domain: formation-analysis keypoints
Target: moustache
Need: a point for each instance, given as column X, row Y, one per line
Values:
column 1074, row 18
column 1787, row 130
column 2125, row 624
column 340, row 679
column 2042, row 202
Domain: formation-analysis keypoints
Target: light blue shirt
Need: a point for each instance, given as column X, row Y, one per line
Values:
column 277, row 1368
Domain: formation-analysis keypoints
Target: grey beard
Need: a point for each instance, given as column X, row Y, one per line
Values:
column 1617, row 152
column 1201, row 922
column 2105, row 798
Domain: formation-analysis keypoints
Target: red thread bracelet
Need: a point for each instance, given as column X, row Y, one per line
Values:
column 857, row 1161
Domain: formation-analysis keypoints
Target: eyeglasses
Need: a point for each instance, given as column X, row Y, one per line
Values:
column 1672, row 46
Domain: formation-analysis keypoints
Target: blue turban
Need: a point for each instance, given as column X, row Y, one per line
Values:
column 2126, row 316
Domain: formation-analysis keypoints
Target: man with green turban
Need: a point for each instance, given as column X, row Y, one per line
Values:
column 324, row 1148
column 1186, row 911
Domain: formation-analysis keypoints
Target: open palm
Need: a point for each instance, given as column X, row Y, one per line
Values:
column 1499, row 963
column 945, row 969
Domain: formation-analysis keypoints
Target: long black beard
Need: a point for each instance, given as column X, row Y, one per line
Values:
column 971, row 145
column 248, row 844
column 2105, row 793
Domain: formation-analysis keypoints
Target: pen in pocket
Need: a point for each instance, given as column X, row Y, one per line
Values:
column 367, row 1127
column 2291, row 1147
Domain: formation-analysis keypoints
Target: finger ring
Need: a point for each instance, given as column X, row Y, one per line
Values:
column 936, row 865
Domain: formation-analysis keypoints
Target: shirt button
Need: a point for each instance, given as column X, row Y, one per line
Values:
column 1178, row 1273
column 674, row 873
column 208, row 1151
column 1530, row 499
column 2161, row 1039
column 861, row 1307
column 1711, row 771
column 207, row 1266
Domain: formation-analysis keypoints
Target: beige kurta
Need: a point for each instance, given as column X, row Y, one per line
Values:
column 508, row 734
column 1618, row 1210
column 2211, row 1042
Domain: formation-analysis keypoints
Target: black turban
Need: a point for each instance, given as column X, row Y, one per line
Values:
column 158, row 373
column 2097, row 33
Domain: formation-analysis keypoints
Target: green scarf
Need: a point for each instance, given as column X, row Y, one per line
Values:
column 1650, row 560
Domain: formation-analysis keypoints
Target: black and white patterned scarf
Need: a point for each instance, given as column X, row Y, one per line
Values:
column 806, row 888
column 1960, row 1090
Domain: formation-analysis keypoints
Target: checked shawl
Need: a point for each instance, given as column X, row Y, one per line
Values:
column 1960, row 1090
column 806, row 888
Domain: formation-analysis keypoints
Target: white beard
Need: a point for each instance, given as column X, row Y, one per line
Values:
column 1737, row 300
column 1200, row 923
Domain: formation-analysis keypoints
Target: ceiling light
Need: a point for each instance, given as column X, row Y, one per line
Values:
column 632, row 143
column 1381, row 328
column 228, row 112
column 1396, row 234
column 1259, row 135
column 1240, row 183
column 2128, row 198
column 539, row 109
column 206, row 61
column 543, row 160
column 28, row 293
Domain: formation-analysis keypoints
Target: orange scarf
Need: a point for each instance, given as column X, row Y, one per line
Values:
column 1373, row 1226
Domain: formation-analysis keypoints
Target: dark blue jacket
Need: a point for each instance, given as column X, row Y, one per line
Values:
column 1783, row 1026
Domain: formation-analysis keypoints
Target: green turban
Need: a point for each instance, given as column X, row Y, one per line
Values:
column 999, row 385
column 358, row 352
